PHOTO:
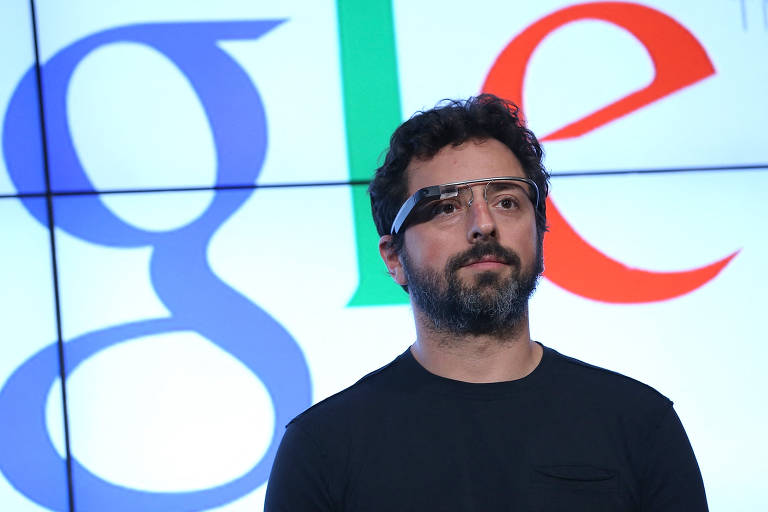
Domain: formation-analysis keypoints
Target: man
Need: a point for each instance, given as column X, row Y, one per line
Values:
column 475, row 415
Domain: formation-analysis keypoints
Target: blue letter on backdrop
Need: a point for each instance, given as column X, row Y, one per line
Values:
column 180, row 273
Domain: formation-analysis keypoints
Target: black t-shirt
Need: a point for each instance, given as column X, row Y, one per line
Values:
column 567, row 437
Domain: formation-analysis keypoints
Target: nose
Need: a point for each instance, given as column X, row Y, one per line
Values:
column 481, row 223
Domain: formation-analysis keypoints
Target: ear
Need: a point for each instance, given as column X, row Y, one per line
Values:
column 392, row 260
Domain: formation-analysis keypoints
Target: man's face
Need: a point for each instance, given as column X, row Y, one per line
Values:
column 473, row 273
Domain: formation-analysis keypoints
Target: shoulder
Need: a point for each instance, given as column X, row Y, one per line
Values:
column 356, row 400
column 602, row 386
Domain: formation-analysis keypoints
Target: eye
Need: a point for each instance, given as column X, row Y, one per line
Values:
column 506, row 196
column 507, row 203
column 444, row 208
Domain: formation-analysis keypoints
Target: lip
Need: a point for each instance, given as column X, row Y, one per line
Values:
column 486, row 264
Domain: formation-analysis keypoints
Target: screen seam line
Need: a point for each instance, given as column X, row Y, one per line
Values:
column 54, row 266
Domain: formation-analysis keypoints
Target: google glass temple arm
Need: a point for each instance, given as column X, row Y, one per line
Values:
column 421, row 196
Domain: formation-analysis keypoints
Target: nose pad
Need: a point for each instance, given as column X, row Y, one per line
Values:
column 467, row 195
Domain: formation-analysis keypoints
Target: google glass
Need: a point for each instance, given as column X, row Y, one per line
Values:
column 501, row 188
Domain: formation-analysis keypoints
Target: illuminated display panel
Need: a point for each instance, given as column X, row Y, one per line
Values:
column 30, row 394
column 576, row 59
column 196, row 323
column 20, row 132
column 149, row 95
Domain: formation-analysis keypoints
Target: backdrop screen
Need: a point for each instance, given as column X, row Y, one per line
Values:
column 187, row 256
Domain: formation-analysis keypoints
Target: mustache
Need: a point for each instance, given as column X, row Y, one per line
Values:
column 477, row 252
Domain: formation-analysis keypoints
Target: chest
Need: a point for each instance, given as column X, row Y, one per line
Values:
column 488, row 456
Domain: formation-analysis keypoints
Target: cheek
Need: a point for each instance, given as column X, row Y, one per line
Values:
column 426, row 250
column 523, row 240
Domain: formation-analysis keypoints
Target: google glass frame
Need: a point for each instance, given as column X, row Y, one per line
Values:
column 448, row 190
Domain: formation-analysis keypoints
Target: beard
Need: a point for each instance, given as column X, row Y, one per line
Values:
column 493, row 304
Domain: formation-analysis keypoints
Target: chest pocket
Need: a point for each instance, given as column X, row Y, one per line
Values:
column 573, row 489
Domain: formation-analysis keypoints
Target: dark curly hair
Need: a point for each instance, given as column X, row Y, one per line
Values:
column 453, row 122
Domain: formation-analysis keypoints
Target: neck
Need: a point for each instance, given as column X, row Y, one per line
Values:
column 478, row 358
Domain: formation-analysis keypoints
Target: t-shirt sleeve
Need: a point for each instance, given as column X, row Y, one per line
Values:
column 297, row 482
column 672, row 480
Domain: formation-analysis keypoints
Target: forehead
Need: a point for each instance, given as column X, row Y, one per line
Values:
column 471, row 160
